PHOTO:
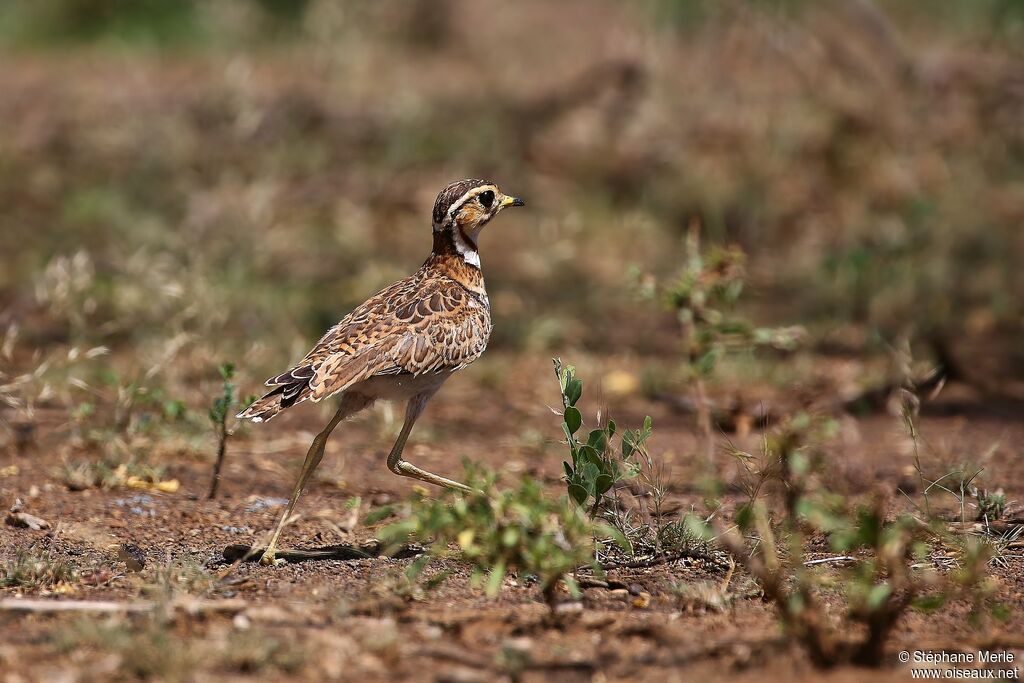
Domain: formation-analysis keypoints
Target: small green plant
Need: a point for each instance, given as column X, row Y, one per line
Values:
column 991, row 505
column 35, row 570
column 221, row 411
column 886, row 565
column 504, row 530
column 596, row 464
column 704, row 297
column 599, row 464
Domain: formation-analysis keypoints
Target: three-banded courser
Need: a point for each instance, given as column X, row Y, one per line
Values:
column 403, row 342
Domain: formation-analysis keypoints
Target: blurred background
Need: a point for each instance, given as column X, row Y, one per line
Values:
column 184, row 182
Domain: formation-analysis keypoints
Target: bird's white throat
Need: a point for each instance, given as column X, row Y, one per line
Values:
column 466, row 250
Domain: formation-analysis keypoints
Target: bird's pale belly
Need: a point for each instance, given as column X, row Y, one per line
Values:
column 401, row 387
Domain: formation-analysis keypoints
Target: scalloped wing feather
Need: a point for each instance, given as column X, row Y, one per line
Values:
column 421, row 324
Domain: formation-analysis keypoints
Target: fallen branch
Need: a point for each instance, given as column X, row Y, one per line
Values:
column 190, row 606
column 246, row 553
column 828, row 560
column 102, row 606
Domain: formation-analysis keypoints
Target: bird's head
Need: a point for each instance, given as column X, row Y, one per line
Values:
column 466, row 206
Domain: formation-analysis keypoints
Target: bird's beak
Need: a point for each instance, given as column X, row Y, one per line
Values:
column 512, row 201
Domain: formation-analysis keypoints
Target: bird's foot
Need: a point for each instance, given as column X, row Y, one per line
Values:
column 269, row 559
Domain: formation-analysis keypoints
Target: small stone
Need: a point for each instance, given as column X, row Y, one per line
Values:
column 569, row 607
column 26, row 521
column 521, row 645
column 642, row 601
column 132, row 556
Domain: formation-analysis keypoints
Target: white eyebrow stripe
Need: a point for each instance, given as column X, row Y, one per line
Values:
column 470, row 194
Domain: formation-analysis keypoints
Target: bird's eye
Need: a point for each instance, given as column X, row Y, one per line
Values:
column 486, row 198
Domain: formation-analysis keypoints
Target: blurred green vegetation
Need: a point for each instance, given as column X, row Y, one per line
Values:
column 234, row 175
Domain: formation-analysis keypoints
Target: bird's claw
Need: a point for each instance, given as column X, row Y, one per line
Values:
column 269, row 560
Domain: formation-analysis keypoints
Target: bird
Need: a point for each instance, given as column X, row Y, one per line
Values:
column 402, row 343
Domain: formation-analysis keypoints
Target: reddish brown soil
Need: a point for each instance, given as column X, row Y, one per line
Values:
column 346, row 617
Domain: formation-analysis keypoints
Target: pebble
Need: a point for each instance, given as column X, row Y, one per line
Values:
column 265, row 503
column 132, row 556
column 27, row 521
column 569, row 607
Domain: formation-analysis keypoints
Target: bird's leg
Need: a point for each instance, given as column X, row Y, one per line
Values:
column 350, row 404
column 406, row 469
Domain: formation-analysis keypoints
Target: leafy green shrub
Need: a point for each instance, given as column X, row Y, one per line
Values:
column 504, row 530
column 596, row 464
column 888, row 564
column 704, row 296
column 599, row 465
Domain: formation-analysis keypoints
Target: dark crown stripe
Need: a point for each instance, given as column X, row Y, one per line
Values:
column 451, row 194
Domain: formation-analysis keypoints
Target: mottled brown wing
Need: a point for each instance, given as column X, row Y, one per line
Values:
column 447, row 328
column 432, row 325
column 424, row 323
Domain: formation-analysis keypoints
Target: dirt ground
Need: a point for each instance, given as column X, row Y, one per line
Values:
column 345, row 620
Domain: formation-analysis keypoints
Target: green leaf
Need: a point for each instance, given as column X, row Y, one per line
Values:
column 877, row 596
column 495, row 579
column 227, row 370
column 1001, row 612
column 603, row 483
column 697, row 527
column 413, row 571
column 706, row 362
column 568, row 468
column 930, row 603
column 573, row 391
column 578, row 493
column 598, row 440
column 745, row 517
column 588, row 456
column 560, row 373
column 798, row 463
column 174, row 409
column 573, row 419
column 509, row 537
column 617, row 536
column 376, row 515
column 573, row 586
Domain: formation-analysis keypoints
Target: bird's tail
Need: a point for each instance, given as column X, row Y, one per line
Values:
column 288, row 389
column 265, row 407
